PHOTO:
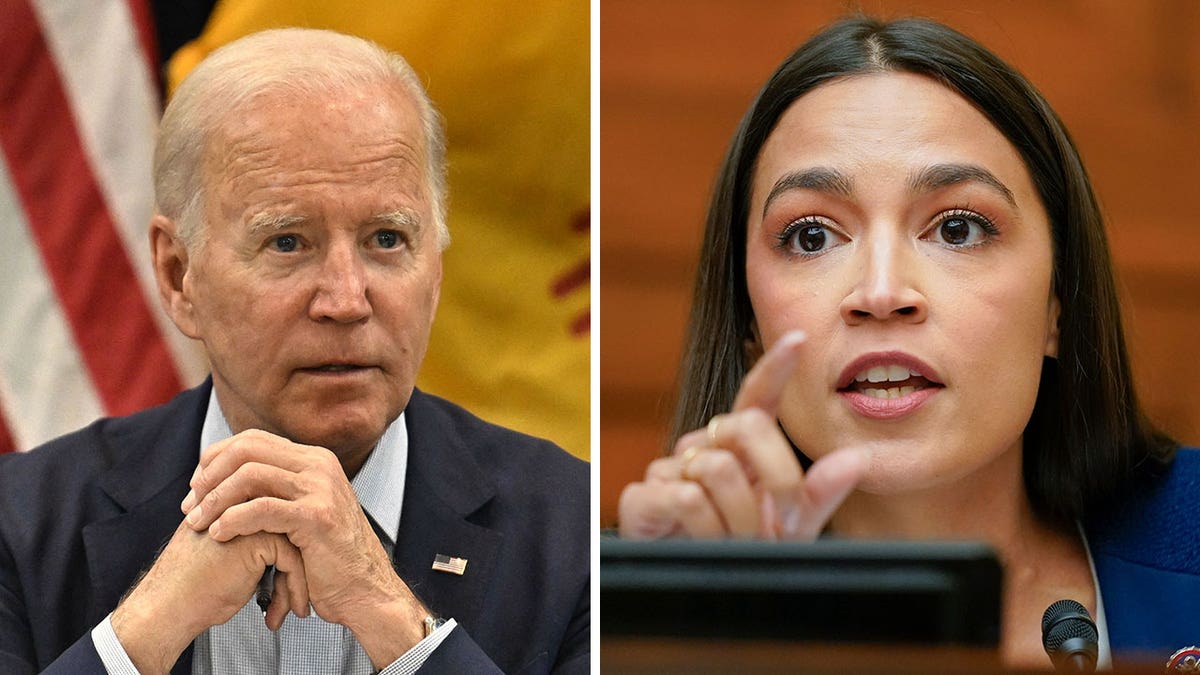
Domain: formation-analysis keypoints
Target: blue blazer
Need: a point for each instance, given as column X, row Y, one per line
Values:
column 1147, row 555
column 81, row 516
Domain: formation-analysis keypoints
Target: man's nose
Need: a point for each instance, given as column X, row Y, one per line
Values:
column 886, row 286
column 341, row 288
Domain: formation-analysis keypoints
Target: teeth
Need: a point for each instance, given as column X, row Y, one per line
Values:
column 892, row 392
column 886, row 374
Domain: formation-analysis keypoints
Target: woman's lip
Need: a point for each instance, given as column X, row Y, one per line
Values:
column 887, row 408
column 888, row 358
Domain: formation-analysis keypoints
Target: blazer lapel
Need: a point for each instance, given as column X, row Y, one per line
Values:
column 155, row 458
column 444, row 486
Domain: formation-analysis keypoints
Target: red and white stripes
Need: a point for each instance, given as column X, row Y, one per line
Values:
column 81, row 332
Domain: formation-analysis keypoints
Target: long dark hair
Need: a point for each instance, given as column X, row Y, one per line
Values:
column 1087, row 433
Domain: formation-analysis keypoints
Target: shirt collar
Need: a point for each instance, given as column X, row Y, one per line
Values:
column 379, row 484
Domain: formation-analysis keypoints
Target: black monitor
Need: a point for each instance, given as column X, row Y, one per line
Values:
column 828, row 591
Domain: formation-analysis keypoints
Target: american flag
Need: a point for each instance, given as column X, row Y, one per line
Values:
column 81, row 331
column 445, row 563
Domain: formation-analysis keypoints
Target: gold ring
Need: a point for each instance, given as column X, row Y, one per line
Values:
column 713, row 425
column 686, row 460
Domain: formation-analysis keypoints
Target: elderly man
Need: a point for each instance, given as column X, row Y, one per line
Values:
column 299, row 181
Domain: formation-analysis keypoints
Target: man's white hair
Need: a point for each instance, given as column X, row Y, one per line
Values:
column 299, row 61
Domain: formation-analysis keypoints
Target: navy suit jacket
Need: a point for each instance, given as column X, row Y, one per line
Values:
column 83, row 515
column 1147, row 556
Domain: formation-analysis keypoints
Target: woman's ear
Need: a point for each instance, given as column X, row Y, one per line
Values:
column 171, row 266
column 1054, row 313
column 752, row 347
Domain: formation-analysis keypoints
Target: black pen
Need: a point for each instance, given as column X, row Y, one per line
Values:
column 266, row 588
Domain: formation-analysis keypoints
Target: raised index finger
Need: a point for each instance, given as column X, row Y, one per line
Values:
column 763, row 386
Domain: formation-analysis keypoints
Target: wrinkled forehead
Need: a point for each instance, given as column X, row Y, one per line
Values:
column 349, row 154
column 300, row 128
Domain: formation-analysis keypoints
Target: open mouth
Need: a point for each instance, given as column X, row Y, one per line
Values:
column 889, row 381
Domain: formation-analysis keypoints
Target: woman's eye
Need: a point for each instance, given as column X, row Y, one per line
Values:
column 285, row 243
column 963, row 230
column 809, row 238
column 387, row 238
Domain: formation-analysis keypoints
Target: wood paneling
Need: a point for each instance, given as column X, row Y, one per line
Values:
column 676, row 75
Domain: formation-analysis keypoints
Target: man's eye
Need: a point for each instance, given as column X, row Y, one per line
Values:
column 285, row 243
column 387, row 238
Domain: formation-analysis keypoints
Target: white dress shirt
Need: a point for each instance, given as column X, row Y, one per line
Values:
column 301, row 645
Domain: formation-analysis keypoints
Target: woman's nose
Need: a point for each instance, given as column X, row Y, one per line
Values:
column 887, row 286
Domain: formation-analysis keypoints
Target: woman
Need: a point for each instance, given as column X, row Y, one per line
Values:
column 905, row 326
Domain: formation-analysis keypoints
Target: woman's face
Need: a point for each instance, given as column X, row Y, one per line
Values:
column 897, row 227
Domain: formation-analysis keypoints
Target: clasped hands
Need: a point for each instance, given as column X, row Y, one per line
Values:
column 258, row 499
column 739, row 477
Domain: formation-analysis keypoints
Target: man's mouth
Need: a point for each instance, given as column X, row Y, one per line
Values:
column 335, row 368
column 888, row 381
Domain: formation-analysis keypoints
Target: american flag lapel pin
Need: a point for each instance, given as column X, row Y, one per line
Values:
column 1186, row 660
column 445, row 563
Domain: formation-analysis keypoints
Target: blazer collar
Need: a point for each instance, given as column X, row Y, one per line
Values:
column 153, row 448
column 445, row 486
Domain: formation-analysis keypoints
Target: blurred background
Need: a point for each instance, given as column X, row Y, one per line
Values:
column 677, row 75
column 81, row 90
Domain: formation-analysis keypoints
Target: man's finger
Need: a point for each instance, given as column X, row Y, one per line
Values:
column 763, row 386
column 207, row 455
column 249, row 481
column 254, row 446
column 289, row 596
column 264, row 514
column 291, row 584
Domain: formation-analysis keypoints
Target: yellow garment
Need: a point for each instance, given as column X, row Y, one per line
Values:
column 511, row 80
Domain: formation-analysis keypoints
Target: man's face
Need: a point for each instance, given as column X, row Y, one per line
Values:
column 318, row 280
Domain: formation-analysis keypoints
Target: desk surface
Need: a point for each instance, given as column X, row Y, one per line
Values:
column 646, row 656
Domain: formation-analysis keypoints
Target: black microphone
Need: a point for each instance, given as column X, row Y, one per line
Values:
column 1070, row 638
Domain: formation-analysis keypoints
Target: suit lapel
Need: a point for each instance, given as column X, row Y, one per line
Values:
column 154, row 460
column 444, row 486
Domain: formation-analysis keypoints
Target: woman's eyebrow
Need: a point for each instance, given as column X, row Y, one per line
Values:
column 943, row 175
column 821, row 179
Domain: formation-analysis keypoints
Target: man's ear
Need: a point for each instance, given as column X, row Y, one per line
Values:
column 1054, row 313
column 171, row 261
column 753, row 346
